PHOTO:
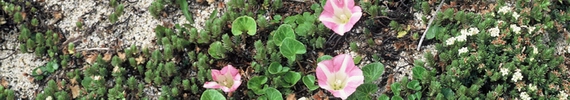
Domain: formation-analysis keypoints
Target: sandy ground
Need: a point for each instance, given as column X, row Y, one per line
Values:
column 97, row 32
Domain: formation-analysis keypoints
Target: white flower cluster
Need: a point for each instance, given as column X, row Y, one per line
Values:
column 562, row 95
column 506, row 9
column 530, row 28
column 504, row 71
column 463, row 36
column 470, row 31
column 515, row 29
column 532, row 87
column 524, row 96
column 451, row 40
column 494, row 31
column 517, row 76
column 463, row 50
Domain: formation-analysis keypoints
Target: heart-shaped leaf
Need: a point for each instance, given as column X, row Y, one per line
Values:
column 372, row 72
column 256, row 84
column 284, row 31
column 324, row 57
column 275, row 68
column 216, row 50
column 414, row 85
column 273, row 94
column 309, row 81
column 418, row 72
column 395, row 87
column 212, row 95
column 242, row 24
column 291, row 48
column 292, row 78
column 364, row 91
column 305, row 29
column 432, row 31
column 383, row 97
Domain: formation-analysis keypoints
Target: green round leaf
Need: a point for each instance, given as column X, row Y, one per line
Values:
column 216, row 50
column 395, row 87
column 414, row 85
column 397, row 97
column 283, row 32
column 244, row 23
column 418, row 72
column 383, row 97
column 364, row 91
column 275, row 68
column 448, row 93
column 292, row 78
column 273, row 94
column 256, row 84
column 305, row 29
column 324, row 57
column 291, row 48
column 372, row 72
column 309, row 81
column 212, row 95
column 432, row 31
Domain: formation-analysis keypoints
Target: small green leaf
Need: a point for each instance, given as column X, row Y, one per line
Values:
column 372, row 72
column 432, row 31
column 414, row 85
column 291, row 48
column 396, row 88
column 290, row 20
column 365, row 91
column 383, row 97
column 324, row 57
column 448, row 93
column 305, row 29
column 309, row 81
column 275, row 68
column 273, row 94
column 256, row 84
column 292, row 78
column 283, row 32
column 216, row 50
column 244, row 23
column 184, row 8
column 212, row 95
column 397, row 97
column 418, row 72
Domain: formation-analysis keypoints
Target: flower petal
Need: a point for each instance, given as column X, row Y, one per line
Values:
column 215, row 74
column 212, row 85
column 356, row 14
column 343, row 63
column 230, row 69
column 237, row 83
column 323, row 72
column 340, row 93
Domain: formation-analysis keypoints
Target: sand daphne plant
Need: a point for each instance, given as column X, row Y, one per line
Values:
column 340, row 15
column 228, row 79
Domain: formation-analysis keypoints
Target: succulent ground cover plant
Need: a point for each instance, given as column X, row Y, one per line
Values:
column 502, row 51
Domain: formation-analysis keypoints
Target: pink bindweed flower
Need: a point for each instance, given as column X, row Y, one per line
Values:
column 228, row 79
column 340, row 15
column 339, row 76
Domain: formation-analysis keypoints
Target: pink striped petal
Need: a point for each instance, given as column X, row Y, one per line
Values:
column 215, row 74
column 212, row 85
